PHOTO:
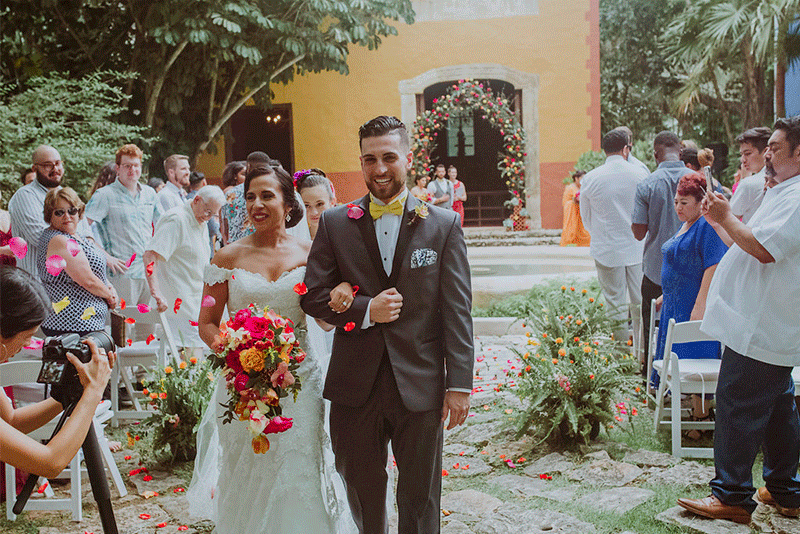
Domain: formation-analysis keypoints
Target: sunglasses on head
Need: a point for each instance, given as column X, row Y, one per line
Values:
column 60, row 211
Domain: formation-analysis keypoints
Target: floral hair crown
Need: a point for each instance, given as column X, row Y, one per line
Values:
column 299, row 175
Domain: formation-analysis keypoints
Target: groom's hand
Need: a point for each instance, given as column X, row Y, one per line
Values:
column 385, row 308
column 456, row 403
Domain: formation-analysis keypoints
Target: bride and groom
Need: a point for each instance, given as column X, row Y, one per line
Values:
column 401, row 363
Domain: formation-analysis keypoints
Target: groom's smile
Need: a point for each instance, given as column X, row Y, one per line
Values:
column 385, row 161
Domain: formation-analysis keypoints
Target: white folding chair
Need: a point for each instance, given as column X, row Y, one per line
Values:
column 689, row 376
column 140, row 354
column 26, row 371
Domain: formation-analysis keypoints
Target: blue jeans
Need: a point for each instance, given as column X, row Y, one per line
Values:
column 755, row 408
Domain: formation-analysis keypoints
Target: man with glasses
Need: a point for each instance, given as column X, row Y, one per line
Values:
column 27, row 205
column 179, row 252
column 125, row 211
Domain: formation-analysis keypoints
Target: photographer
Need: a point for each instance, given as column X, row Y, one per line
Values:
column 23, row 307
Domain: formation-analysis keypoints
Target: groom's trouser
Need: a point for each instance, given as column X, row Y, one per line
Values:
column 360, row 437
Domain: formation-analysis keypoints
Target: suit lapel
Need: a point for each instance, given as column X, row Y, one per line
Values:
column 367, row 228
column 404, row 238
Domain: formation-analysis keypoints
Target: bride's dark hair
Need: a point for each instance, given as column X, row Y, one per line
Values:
column 295, row 211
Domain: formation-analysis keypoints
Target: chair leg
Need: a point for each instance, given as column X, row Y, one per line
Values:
column 108, row 457
column 76, row 498
column 115, row 395
column 677, row 450
column 11, row 492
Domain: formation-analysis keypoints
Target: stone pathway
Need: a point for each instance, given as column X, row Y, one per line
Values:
column 491, row 484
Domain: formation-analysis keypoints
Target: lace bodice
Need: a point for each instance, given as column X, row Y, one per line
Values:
column 245, row 288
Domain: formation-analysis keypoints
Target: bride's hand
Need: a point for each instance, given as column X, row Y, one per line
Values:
column 341, row 297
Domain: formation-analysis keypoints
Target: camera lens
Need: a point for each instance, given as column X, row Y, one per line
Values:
column 101, row 339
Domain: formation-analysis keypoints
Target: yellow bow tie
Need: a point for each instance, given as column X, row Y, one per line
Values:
column 378, row 210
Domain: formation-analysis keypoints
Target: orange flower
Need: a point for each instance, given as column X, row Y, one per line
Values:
column 260, row 444
column 162, row 395
column 591, row 299
column 559, row 340
column 562, row 352
column 193, row 360
column 577, row 340
column 591, row 377
column 182, row 365
column 154, row 395
column 587, row 350
column 272, row 398
column 145, row 391
column 578, row 322
column 584, row 291
column 563, row 288
column 168, row 369
column 555, row 361
column 252, row 360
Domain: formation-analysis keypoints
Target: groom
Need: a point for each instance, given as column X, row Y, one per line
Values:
column 402, row 355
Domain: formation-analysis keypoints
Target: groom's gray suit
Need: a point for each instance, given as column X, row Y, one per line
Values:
column 387, row 382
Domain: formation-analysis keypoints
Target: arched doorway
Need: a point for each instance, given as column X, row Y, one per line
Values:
column 526, row 93
column 270, row 131
column 471, row 144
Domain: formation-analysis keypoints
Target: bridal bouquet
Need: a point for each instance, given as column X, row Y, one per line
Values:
column 259, row 356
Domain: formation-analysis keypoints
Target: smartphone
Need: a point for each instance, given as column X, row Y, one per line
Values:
column 709, row 179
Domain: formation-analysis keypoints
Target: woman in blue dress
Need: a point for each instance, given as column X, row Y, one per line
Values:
column 690, row 259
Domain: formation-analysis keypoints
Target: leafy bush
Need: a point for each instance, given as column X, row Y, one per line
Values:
column 78, row 117
column 180, row 395
column 525, row 305
column 572, row 366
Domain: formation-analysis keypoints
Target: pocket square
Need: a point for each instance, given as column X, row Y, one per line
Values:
column 422, row 257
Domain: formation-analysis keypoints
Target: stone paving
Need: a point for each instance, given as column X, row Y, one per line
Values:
column 492, row 484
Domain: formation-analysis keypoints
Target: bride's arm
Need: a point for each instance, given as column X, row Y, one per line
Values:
column 210, row 316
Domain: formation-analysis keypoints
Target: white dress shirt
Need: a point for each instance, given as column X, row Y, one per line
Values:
column 171, row 196
column 752, row 307
column 748, row 196
column 608, row 195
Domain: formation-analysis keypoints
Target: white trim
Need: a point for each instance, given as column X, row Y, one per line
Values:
column 527, row 82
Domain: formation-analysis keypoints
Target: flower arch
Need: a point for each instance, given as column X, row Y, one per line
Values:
column 466, row 96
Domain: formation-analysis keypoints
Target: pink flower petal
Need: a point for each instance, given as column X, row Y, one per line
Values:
column 73, row 247
column 55, row 264
column 130, row 261
column 18, row 247
column 35, row 344
column 143, row 308
column 208, row 301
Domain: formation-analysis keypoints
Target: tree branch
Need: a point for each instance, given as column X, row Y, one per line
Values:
column 726, row 119
column 232, row 87
column 226, row 115
column 212, row 94
column 74, row 35
column 152, row 100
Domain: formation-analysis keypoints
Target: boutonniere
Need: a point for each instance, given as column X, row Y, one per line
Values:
column 354, row 211
column 420, row 212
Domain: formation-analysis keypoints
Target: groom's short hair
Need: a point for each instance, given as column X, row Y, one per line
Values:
column 383, row 125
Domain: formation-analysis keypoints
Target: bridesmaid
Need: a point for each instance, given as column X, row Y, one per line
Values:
column 573, row 232
column 459, row 192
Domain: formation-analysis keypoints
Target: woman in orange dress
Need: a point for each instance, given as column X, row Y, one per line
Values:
column 573, row 232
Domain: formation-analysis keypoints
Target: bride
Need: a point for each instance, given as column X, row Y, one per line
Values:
column 291, row 488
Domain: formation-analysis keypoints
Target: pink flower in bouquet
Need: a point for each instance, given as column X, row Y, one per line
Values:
column 257, row 327
column 278, row 424
column 282, row 377
column 276, row 319
column 287, row 338
column 240, row 318
column 240, row 382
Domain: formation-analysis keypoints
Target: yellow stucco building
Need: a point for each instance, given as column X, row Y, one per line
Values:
column 543, row 54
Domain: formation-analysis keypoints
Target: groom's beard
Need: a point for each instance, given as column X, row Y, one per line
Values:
column 46, row 181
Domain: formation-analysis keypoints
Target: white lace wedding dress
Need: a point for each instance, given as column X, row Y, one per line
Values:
column 292, row 488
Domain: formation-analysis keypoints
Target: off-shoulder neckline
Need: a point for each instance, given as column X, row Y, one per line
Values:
column 283, row 274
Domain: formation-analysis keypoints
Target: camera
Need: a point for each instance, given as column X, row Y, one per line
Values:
column 56, row 368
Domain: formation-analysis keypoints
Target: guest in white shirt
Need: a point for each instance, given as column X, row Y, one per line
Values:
column 752, row 309
column 750, row 191
column 633, row 160
column 174, row 192
column 608, row 194
column 179, row 252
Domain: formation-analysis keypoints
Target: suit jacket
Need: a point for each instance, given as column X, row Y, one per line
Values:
column 430, row 346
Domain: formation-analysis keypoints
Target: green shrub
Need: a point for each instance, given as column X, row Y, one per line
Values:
column 573, row 369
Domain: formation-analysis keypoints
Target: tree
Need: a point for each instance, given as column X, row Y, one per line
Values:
column 727, row 49
column 197, row 61
column 77, row 117
column 636, row 84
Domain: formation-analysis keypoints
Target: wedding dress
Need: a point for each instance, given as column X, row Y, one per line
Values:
column 293, row 487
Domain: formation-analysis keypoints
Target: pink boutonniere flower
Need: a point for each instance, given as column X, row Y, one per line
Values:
column 354, row 211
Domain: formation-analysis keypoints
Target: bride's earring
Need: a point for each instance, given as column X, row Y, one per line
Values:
column 288, row 217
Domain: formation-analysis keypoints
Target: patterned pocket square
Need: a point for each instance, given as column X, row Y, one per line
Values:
column 422, row 257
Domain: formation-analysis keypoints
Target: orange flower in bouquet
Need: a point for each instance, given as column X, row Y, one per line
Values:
column 259, row 356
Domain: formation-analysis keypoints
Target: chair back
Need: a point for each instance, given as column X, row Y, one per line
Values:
column 19, row 372
column 685, row 332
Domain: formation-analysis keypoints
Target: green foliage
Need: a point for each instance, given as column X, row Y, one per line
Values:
column 198, row 61
column 528, row 304
column 590, row 160
column 180, row 395
column 79, row 117
column 573, row 368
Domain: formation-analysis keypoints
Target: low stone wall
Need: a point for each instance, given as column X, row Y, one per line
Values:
column 497, row 326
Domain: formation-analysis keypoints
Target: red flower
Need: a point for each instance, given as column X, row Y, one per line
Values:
column 177, row 305
column 349, row 326
column 300, row 289
column 240, row 382
column 240, row 318
column 355, row 290
column 256, row 326
column 278, row 424
column 149, row 268
column 232, row 361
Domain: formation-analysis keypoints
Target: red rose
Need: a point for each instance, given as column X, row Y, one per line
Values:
column 240, row 318
column 256, row 326
column 278, row 424
column 300, row 357
column 240, row 383
column 269, row 334
column 232, row 361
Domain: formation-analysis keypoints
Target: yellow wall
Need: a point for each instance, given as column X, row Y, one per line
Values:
column 329, row 107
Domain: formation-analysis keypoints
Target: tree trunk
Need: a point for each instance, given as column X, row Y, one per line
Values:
column 225, row 115
column 751, row 115
column 723, row 107
column 152, row 100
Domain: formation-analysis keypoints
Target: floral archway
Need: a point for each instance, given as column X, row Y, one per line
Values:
column 465, row 97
